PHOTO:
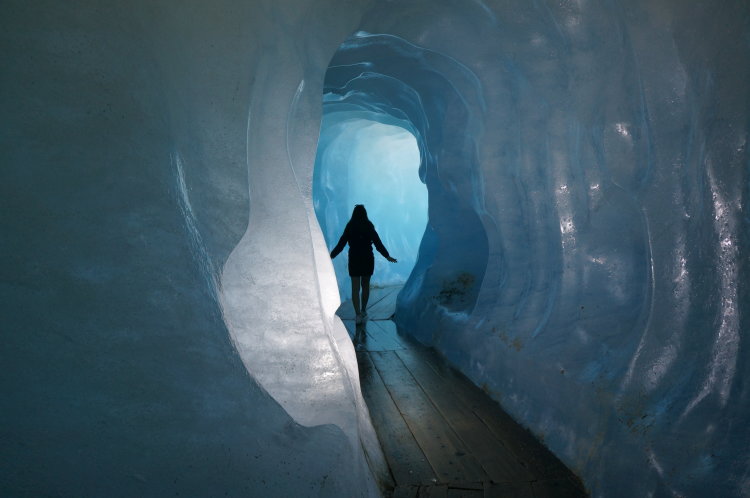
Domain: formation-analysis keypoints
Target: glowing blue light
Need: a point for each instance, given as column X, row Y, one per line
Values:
column 366, row 162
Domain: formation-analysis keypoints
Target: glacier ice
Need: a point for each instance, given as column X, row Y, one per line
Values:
column 582, row 259
column 167, row 297
column 153, row 328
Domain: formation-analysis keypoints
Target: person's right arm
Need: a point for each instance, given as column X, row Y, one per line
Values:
column 342, row 242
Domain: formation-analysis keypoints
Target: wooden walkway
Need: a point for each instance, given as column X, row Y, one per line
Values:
column 441, row 435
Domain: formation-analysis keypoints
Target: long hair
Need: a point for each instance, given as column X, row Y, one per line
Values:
column 359, row 220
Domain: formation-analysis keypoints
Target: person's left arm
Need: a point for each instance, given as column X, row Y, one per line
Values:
column 380, row 247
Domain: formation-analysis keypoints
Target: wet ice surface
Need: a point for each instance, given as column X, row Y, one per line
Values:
column 585, row 256
column 582, row 259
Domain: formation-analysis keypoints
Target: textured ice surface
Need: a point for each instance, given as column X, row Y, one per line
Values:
column 585, row 257
column 152, row 228
column 363, row 161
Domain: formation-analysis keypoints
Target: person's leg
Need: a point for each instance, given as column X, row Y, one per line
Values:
column 365, row 291
column 355, row 294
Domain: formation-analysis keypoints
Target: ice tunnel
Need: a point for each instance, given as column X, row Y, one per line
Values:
column 389, row 80
column 166, row 291
column 364, row 161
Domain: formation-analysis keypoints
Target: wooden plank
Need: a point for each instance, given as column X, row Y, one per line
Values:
column 528, row 450
column 479, row 486
column 351, row 327
column 375, row 341
column 381, row 336
column 382, row 303
column 508, row 490
column 346, row 310
column 498, row 461
column 466, row 490
column 391, row 331
column 465, row 493
column 363, row 340
column 405, row 492
column 406, row 460
column 357, row 334
column 433, row 491
column 557, row 488
column 442, row 447
column 532, row 454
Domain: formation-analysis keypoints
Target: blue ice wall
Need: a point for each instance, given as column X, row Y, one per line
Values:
column 427, row 93
column 162, row 271
column 585, row 256
column 132, row 137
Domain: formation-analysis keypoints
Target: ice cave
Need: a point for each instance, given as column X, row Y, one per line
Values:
column 567, row 182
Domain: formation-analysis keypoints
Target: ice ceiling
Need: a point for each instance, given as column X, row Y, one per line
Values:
column 167, row 296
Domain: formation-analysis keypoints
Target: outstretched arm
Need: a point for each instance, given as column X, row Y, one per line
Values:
column 340, row 246
column 380, row 247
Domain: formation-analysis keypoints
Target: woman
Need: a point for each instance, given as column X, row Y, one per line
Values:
column 360, row 234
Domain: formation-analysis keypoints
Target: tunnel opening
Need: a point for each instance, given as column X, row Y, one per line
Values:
column 374, row 161
column 385, row 80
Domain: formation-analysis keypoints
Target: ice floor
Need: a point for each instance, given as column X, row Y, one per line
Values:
column 443, row 436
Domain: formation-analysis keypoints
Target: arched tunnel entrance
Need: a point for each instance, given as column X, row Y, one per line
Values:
column 398, row 135
column 363, row 160
column 168, row 298
column 374, row 83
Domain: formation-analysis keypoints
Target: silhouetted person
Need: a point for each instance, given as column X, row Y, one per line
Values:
column 360, row 234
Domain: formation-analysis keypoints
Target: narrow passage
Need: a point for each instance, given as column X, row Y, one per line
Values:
column 441, row 435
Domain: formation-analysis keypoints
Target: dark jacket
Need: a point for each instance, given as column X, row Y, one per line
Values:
column 360, row 240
